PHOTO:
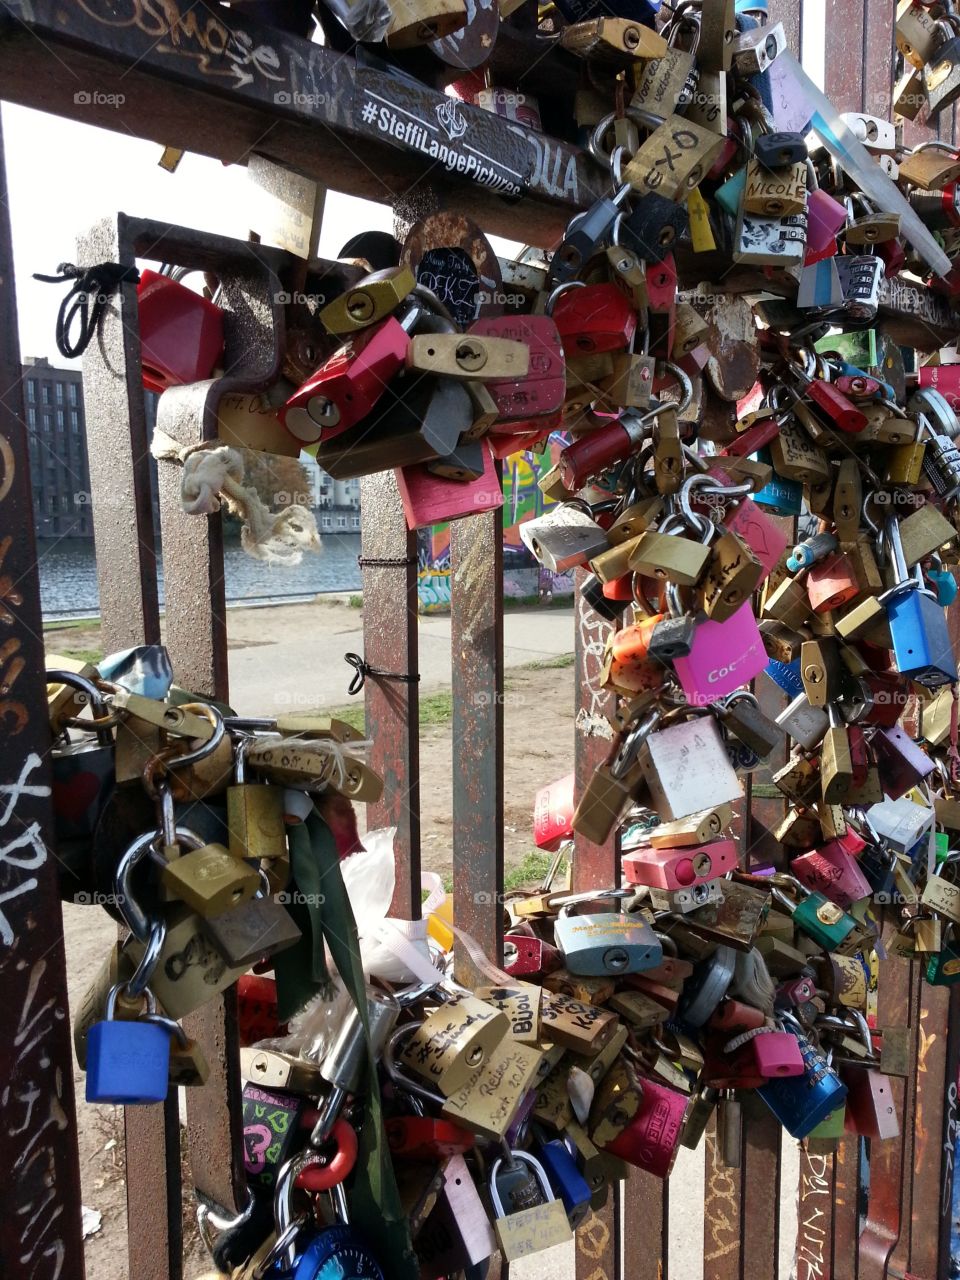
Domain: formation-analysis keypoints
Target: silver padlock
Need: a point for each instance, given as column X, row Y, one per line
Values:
column 563, row 537
column 598, row 944
column 804, row 723
column 687, row 768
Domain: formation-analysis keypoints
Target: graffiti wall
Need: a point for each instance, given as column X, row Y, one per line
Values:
column 523, row 578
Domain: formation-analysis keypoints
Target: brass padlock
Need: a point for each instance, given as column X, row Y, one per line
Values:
column 674, row 159
column 370, row 300
column 666, row 555
column 617, row 41
column 453, row 1042
column 775, row 192
column 415, row 22
column 210, row 879
column 464, row 355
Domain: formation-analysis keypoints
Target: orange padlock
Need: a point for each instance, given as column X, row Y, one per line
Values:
column 831, row 583
column 632, row 644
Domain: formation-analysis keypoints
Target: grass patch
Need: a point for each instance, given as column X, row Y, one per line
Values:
column 435, row 708
column 83, row 655
column 71, row 624
column 355, row 602
column 527, row 874
column 554, row 663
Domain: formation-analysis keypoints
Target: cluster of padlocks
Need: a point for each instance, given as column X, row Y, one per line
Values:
column 709, row 338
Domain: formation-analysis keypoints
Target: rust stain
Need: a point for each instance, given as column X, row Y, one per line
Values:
column 731, row 338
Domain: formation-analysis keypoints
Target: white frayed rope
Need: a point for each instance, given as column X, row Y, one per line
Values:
column 212, row 473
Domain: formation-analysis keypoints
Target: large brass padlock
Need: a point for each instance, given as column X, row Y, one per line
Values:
column 454, row 1042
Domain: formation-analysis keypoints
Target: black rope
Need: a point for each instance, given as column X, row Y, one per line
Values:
column 377, row 562
column 91, row 284
column 363, row 669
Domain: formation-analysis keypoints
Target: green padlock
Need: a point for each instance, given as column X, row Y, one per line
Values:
column 943, row 967
column 820, row 919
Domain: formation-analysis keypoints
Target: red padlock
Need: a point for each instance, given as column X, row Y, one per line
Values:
column 524, row 956
column 181, row 333
column 831, row 583
column 430, row 499
column 593, row 318
column 553, row 811
column 734, row 1015
column 348, row 385
column 757, row 435
column 651, row 1139
column 423, row 1138
column 542, row 392
column 257, row 1009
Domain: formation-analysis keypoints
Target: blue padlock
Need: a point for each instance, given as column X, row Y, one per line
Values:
column 945, row 586
column 922, row 649
column 781, row 495
column 800, row 1103
column 128, row 1062
column 566, row 1179
column 786, row 675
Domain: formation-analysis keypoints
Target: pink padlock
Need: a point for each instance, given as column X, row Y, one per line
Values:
column 651, row 1138
column 430, row 499
column 775, row 1053
column 825, row 217
column 944, row 378
column 838, row 878
column 762, row 533
column 831, row 583
column 849, row 843
column 722, row 657
column 553, row 814
column 679, row 868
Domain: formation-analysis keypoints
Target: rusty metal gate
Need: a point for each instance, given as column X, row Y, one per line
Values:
column 173, row 96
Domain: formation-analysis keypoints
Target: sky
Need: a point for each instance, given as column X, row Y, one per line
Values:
column 63, row 176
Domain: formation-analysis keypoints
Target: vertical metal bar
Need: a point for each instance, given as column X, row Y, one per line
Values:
column 476, row 600
column 879, row 51
column 788, row 12
column 722, row 1213
column 932, row 1084
column 951, row 1085
column 40, row 1226
column 122, row 505
column 890, row 1160
column 119, row 456
column 760, row 1245
column 389, row 559
column 598, row 866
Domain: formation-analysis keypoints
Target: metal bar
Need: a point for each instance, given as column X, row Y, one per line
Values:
column 212, row 82
column 933, row 1081
column 40, row 1226
column 889, row 1160
column 948, row 1244
column 476, row 598
column 389, row 552
column 788, row 12
column 845, row 1208
column 843, row 71
column 122, row 506
column 119, row 454
column 598, row 866
column 879, row 54
column 723, row 1225
column 760, row 1196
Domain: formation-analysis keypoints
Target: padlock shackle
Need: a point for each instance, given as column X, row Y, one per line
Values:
column 103, row 719
column 538, row 1172
column 403, row 1082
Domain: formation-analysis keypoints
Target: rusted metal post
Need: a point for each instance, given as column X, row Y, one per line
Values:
column 476, row 597
column 39, row 1169
column 595, row 867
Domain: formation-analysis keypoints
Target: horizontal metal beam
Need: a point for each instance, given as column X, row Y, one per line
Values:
column 241, row 88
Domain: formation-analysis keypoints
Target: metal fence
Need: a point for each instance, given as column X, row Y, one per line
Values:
column 904, row 1224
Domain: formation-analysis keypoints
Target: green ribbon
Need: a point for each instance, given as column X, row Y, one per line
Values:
column 301, row 970
column 375, row 1206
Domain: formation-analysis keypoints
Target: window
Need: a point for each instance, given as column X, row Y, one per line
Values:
column 64, row 502
column 355, row 522
column 60, row 420
column 31, row 391
column 59, row 393
column 326, row 523
column 74, row 420
column 341, row 522
column 72, row 393
column 31, row 417
column 45, row 392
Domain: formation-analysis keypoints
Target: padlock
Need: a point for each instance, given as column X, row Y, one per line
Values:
column 941, row 74
column 128, row 1061
column 454, row 1042
column 541, row 392
column 801, row 1103
column 533, row 1227
column 667, row 868
column 347, row 386
column 209, row 879
column 921, row 643
column 686, row 767
column 651, row 1140
column 723, row 656
column 753, row 52
column 775, row 193
column 605, row 943
column 468, row 356
column 816, row 916
column 592, row 318
column 181, row 332
column 371, row 300
column 740, row 715
column 942, row 896
column 870, row 1107
column 565, row 536
column 674, row 158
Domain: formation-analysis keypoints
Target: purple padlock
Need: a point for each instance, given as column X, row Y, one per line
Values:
column 722, row 657
column 833, row 873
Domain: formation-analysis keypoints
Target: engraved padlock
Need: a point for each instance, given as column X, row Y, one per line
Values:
column 606, row 943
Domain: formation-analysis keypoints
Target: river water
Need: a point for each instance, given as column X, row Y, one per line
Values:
column 68, row 575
